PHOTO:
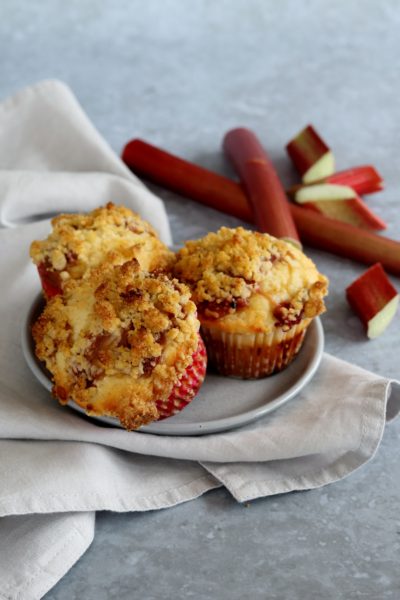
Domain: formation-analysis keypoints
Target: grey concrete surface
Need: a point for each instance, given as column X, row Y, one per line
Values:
column 180, row 74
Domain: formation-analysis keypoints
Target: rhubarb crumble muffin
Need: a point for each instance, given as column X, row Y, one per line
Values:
column 80, row 242
column 123, row 343
column 255, row 295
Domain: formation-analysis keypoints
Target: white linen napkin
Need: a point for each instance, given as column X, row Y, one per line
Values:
column 57, row 468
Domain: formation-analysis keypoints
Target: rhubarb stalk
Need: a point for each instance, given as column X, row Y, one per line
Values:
column 185, row 178
column 374, row 299
column 315, row 229
column 343, row 239
column 310, row 155
column 262, row 185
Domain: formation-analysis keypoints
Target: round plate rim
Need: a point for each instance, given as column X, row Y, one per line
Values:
column 192, row 428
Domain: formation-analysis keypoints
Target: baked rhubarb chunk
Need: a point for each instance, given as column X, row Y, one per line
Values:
column 123, row 343
column 256, row 296
column 375, row 300
column 79, row 243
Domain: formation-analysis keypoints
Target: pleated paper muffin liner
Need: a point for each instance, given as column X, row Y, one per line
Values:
column 252, row 355
column 188, row 385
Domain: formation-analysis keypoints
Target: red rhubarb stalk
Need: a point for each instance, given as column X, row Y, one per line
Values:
column 185, row 178
column 315, row 229
column 374, row 299
column 363, row 180
column 343, row 239
column 311, row 156
column 339, row 202
column 262, row 185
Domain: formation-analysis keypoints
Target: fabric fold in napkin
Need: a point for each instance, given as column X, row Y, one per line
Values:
column 57, row 468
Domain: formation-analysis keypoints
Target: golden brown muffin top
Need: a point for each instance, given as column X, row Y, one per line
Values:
column 118, row 341
column 112, row 234
column 250, row 281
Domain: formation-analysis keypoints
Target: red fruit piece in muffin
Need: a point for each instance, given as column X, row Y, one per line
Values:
column 79, row 243
column 256, row 295
column 122, row 343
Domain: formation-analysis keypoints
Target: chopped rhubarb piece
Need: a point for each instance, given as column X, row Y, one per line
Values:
column 374, row 299
column 263, row 188
column 363, row 180
column 311, row 155
column 315, row 229
column 339, row 202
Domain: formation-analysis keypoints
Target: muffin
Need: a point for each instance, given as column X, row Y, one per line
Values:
column 255, row 295
column 79, row 243
column 122, row 343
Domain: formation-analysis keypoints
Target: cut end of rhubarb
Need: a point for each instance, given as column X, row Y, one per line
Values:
column 379, row 323
column 322, row 192
column 323, row 167
column 374, row 299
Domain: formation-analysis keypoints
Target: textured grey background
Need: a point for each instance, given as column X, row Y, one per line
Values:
column 179, row 74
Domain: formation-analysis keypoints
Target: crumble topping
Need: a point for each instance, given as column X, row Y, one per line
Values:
column 118, row 341
column 81, row 242
column 250, row 281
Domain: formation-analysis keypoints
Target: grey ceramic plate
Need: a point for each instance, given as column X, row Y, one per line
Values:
column 223, row 403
